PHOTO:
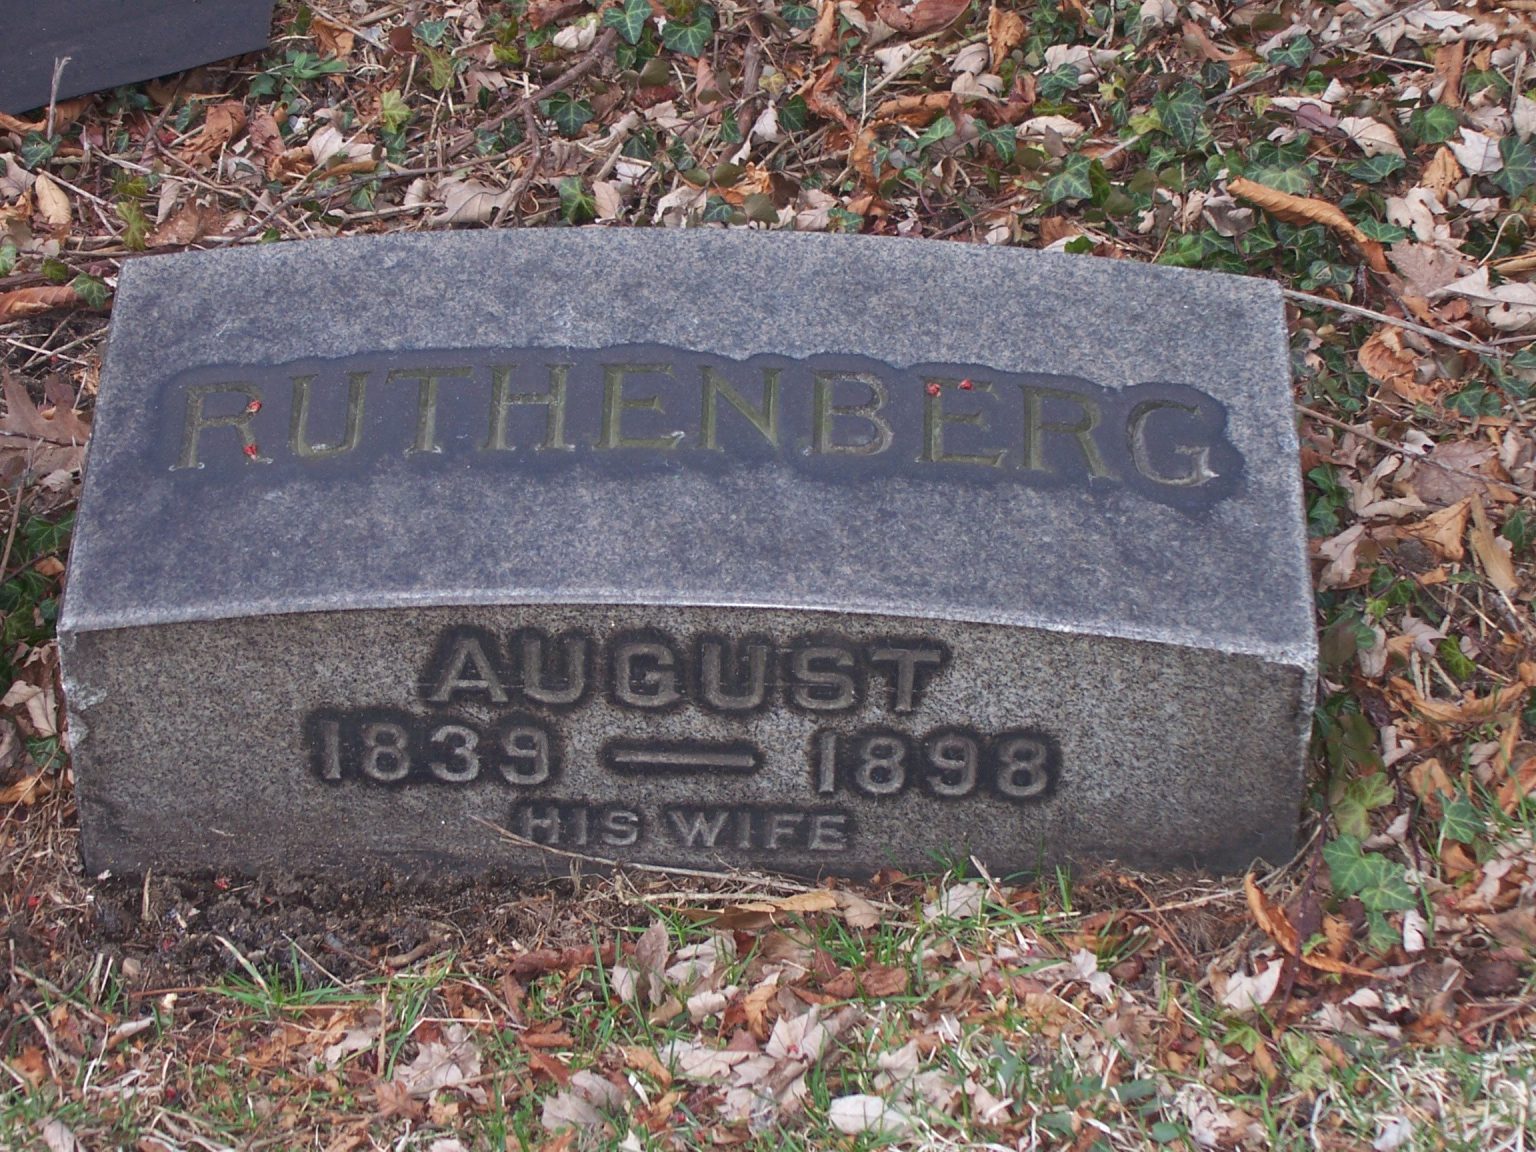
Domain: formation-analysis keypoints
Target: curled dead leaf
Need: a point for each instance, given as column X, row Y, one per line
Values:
column 222, row 124
column 1493, row 553
column 1384, row 357
column 1443, row 531
column 24, row 302
column 1472, row 709
column 53, row 210
column 1308, row 210
column 922, row 17
column 1005, row 32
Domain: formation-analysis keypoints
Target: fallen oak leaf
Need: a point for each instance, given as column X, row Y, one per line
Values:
column 22, row 417
column 1303, row 210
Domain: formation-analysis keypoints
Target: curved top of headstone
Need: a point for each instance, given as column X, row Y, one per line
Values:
column 845, row 424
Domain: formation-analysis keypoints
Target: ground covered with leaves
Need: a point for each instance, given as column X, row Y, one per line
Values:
column 1376, row 157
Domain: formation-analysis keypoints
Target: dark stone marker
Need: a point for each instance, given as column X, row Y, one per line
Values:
column 715, row 549
column 112, row 42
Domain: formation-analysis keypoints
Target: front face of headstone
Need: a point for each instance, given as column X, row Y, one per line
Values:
column 93, row 45
column 711, row 550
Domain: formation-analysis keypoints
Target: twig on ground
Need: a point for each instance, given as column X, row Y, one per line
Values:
column 1407, row 451
column 1396, row 321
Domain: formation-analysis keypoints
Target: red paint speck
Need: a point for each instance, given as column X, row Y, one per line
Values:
column 251, row 450
column 253, row 406
column 966, row 385
column 934, row 389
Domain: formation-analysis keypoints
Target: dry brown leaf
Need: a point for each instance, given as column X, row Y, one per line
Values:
column 332, row 38
column 35, row 301
column 1429, row 782
column 22, row 418
column 187, row 225
column 1493, row 552
column 1450, row 473
column 222, row 123
column 1450, row 59
column 824, row 35
column 918, row 110
column 857, row 912
column 26, row 791
column 1270, row 917
column 644, row 1060
column 923, row 17
column 1443, row 531
column 1473, row 709
column 1520, row 784
column 53, row 210
column 1005, row 32
column 542, row 12
column 764, row 914
column 1304, row 210
column 1442, row 173
column 1384, row 357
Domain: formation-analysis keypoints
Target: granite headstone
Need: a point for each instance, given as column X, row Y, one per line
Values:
column 713, row 549
column 98, row 44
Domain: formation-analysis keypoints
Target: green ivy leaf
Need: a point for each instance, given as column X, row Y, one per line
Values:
column 629, row 19
column 689, row 39
column 1463, row 823
column 568, row 113
column 1073, row 182
column 1519, row 529
column 1282, row 178
column 9, row 256
column 135, row 224
column 1374, row 169
column 1519, row 171
column 91, row 290
column 798, row 15
column 36, row 150
column 941, row 129
column 1004, row 141
column 1354, row 802
column 1476, row 401
column 394, row 112
column 1381, row 884
column 1182, row 113
column 1381, row 230
column 577, row 206
column 1057, row 83
column 1293, row 53
column 432, row 32
column 1433, row 125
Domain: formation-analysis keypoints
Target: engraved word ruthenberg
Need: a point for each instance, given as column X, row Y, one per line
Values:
column 639, row 407
column 493, row 702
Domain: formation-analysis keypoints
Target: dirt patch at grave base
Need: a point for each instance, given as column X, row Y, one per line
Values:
column 185, row 931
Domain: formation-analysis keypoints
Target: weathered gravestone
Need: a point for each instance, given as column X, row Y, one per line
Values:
column 99, row 44
column 717, row 548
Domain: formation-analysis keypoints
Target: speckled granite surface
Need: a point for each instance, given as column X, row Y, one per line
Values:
column 865, row 551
